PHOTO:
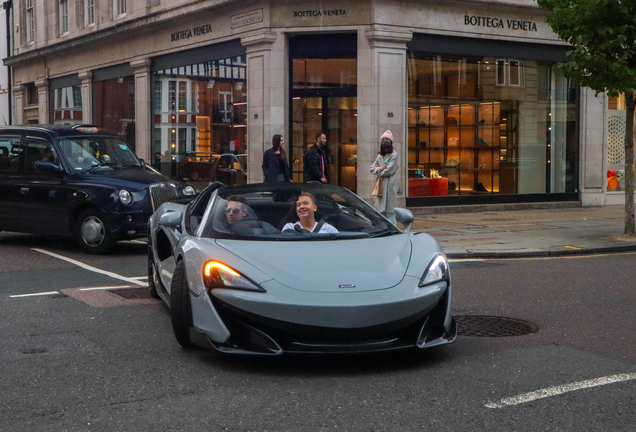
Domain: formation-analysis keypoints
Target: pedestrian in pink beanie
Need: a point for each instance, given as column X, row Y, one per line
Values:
column 385, row 169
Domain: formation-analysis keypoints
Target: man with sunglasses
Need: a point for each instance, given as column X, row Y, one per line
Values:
column 235, row 211
column 240, row 221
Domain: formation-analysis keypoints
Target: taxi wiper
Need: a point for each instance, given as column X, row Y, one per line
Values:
column 100, row 165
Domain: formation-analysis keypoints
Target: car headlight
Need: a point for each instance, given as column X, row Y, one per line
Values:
column 125, row 197
column 189, row 190
column 436, row 271
column 218, row 275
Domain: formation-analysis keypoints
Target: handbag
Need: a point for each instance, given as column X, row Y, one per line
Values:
column 377, row 187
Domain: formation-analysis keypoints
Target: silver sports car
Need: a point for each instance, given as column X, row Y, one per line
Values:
column 302, row 268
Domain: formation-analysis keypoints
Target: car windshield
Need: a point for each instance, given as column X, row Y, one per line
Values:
column 271, row 212
column 86, row 153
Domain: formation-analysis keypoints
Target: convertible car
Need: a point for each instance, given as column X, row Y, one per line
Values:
column 243, row 272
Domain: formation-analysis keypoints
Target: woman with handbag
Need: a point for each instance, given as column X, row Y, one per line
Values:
column 385, row 169
column 275, row 165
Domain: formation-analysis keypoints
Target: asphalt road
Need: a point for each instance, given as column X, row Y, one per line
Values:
column 87, row 361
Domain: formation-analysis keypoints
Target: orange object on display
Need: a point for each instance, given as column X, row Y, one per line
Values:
column 423, row 187
column 612, row 182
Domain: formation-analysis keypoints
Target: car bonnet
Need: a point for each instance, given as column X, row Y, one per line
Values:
column 330, row 265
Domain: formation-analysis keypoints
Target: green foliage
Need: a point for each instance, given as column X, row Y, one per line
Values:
column 603, row 33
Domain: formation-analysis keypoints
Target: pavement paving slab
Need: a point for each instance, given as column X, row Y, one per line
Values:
column 535, row 232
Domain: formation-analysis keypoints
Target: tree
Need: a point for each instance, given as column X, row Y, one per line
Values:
column 603, row 58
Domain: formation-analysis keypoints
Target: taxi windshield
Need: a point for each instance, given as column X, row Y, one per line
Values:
column 292, row 212
column 87, row 153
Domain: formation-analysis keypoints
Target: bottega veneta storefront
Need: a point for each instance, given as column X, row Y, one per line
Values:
column 478, row 110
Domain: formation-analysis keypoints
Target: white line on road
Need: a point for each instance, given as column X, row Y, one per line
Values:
column 104, row 288
column 90, row 268
column 557, row 390
column 35, row 294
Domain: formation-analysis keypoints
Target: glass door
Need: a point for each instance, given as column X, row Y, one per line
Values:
column 336, row 117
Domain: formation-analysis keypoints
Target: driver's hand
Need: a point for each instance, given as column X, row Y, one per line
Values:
column 324, row 180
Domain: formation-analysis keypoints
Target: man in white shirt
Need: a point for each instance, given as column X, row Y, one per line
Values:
column 305, row 209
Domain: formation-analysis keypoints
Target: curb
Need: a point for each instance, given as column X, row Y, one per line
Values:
column 541, row 254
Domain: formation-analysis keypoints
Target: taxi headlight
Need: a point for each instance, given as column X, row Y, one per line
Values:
column 436, row 271
column 218, row 275
column 189, row 190
column 125, row 197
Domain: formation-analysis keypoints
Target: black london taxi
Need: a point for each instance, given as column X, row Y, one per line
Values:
column 79, row 181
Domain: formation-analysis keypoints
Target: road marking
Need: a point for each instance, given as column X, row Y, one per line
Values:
column 104, row 288
column 35, row 294
column 90, row 268
column 572, row 247
column 140, row 277
column 558, row 390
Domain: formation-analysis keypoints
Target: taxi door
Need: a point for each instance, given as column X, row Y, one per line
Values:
column 44, row 196
column 10, row 154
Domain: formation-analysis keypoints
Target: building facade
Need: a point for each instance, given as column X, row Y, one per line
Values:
column 469, row 89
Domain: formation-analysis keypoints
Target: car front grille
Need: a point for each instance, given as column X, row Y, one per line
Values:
column 162, row 192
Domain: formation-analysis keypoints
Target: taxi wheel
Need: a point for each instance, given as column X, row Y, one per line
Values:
column 180, row 308
column 92, row 232
column 151, row 271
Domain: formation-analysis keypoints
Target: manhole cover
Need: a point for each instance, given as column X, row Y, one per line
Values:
column 492, row 326
column 33, row 350
column 132, row 293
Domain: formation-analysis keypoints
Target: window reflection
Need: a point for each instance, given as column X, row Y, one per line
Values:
column 199, row 109
column 67, row 105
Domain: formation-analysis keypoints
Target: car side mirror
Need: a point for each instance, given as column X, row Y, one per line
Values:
column 142, row 162
column 405, row 217
column 171, row 219
column 49, row 167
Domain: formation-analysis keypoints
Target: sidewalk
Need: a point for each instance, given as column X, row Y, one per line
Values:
column 523, row 233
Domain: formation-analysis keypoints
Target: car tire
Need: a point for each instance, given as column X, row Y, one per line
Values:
column 92, row 232
column 180, row 308
column 151, row 271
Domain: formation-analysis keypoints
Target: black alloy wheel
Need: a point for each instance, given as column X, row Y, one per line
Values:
column 92, row 232
column 180, row 308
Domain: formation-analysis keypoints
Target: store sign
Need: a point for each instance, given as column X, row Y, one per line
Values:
column 509, row 24
column 246, row 18
column 320, row 12
column 188, row 33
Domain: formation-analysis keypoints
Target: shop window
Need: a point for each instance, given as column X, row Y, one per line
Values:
column 30, row 22
column 89, row 12
column 203, row 115
column 616, row 128
column 114, row 107
column 63, row 13
column 496, row 135
column 67, row 105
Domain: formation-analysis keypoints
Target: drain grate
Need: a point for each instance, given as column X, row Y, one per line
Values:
column 492, row 326
column 132, row 293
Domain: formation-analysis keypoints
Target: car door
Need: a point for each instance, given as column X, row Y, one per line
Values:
column 44, row 196
column 10, row 153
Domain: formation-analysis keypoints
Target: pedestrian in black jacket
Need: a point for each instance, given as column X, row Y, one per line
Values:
column 315, row 160
column 275, row 165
